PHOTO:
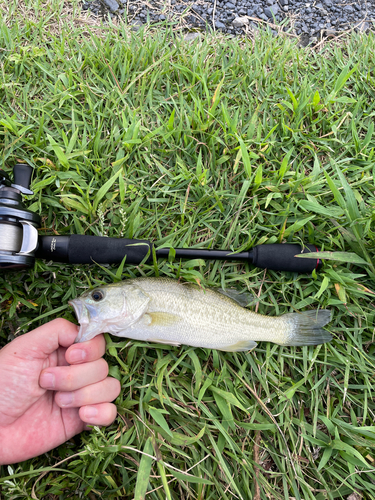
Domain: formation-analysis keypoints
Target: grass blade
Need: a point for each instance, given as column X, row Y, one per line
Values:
column 144, row 471
column 352, row 258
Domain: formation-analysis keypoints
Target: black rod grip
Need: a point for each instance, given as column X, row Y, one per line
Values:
column 84, row 249
column 281, row 257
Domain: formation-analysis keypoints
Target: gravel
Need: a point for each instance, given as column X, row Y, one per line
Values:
column 310, row 20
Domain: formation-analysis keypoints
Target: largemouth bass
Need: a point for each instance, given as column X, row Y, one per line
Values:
column 166, row 311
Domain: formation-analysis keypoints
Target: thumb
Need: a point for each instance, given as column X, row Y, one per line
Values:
column 48, row 338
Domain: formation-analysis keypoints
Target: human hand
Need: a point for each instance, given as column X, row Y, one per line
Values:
column 50, row 389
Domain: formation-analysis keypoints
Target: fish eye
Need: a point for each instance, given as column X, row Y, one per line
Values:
column 97, row 295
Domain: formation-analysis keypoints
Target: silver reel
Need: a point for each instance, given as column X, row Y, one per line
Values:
column 18, row 226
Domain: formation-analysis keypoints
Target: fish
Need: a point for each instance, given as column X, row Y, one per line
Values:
column 166, row 311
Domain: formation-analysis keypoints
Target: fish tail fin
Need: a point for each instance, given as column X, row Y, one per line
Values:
column 306, row 327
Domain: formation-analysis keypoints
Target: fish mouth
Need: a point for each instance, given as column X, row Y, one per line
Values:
column 88, row 328
column 78, row 308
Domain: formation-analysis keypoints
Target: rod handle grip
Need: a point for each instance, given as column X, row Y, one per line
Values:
column 86, row 249
column 281, row 257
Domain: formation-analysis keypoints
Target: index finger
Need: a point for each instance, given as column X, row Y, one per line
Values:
column 47, row 338
column 83, row 352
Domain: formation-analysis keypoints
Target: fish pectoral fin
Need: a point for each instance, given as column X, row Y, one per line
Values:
column 162, row 341
column 160, row 319
column 242, row 345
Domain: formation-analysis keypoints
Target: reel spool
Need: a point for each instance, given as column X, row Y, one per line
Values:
column 18, row 226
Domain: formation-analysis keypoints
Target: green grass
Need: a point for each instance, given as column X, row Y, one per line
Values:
column 215, row 144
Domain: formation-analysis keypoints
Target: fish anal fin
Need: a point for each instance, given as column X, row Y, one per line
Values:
column 162, row 341
column 242, row 345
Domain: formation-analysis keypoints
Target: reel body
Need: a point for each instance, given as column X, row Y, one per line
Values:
column 18, row 226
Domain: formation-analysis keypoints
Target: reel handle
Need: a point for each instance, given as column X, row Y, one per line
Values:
column 22, row 177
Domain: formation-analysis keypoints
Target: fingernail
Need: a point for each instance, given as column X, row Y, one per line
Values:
column 77, row 355
column 47, row 380
column 65, row 398
column 90, row 412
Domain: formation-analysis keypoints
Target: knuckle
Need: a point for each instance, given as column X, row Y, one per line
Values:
column 60, row 322
column 69, row 380
column 88, row 395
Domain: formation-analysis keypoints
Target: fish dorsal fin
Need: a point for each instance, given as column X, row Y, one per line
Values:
column 242, row 298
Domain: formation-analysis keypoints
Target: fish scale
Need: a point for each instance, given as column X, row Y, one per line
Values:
column 167, row 311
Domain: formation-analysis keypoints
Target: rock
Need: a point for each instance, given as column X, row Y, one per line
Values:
column 304, row 40
column 362, row 26
column 355, row 496
column 136, row 25
column 112, row 5
column 240, row 21
column 311, row 16
column 329, row 33
column 219, row 25
column 271, row 11
column 189, row 37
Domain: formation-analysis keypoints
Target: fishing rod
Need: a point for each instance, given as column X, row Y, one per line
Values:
column 20, row 242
